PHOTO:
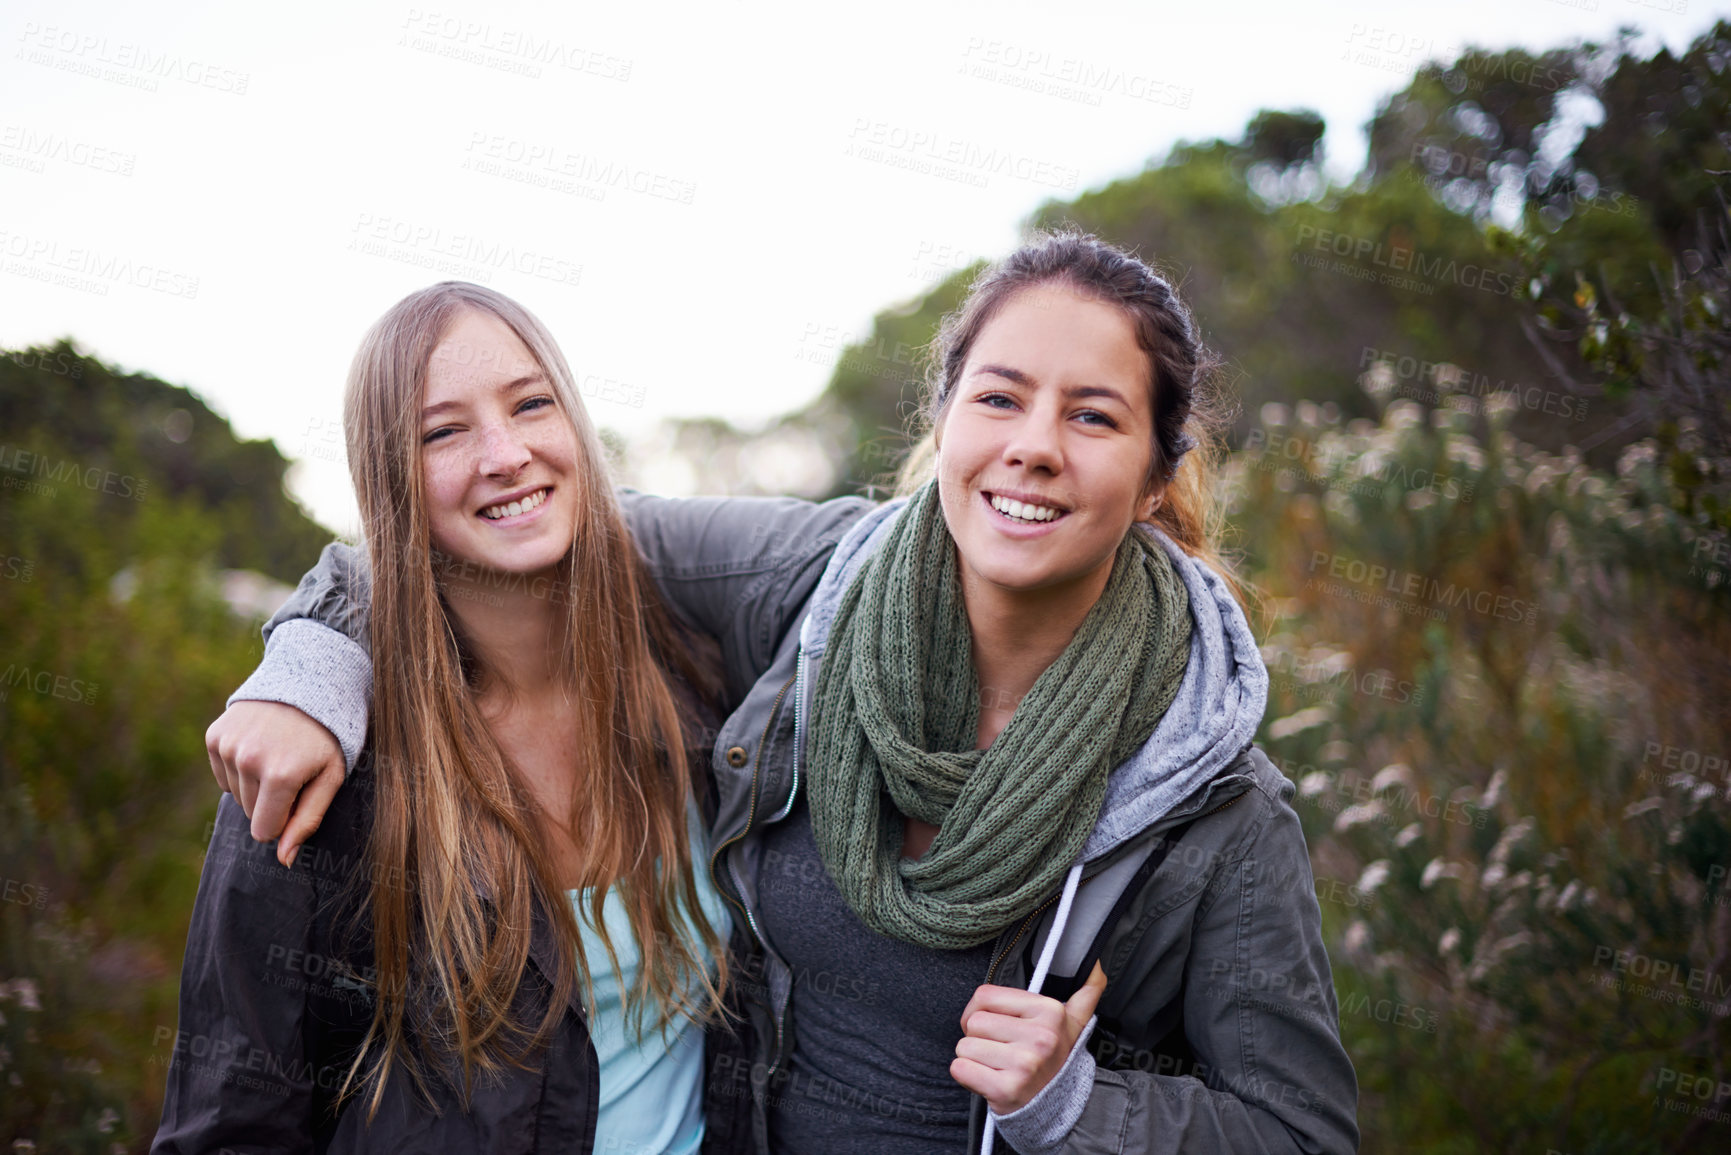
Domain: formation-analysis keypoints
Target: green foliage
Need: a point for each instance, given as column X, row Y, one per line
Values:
column 1486, row 663
column 1663, row 137
column 117, row 651
column 1284, row 139
column 98, row 420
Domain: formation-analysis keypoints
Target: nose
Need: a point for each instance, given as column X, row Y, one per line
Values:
column 1034, row 442
column 503, row 452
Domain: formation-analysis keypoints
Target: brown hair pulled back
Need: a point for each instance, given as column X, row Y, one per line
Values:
column 1182, row 374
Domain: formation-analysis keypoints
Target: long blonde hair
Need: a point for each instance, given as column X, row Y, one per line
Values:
column 459, row 860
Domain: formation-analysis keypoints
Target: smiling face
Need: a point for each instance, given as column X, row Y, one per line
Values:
column 1044, row 449
column 498, row 453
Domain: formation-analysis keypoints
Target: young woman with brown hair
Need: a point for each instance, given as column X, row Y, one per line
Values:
column 1008, row 755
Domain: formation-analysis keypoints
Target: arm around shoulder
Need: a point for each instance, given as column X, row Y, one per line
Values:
column 316, row 655
column 739, row 568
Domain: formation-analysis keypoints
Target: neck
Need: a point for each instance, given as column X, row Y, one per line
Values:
column 1017, row 634
column 516, row 625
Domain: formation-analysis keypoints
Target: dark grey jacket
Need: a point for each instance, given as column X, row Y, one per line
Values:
column 275, row 998
column 1218, row 1030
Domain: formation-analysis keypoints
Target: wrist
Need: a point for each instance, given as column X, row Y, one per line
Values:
column 1040, row 1125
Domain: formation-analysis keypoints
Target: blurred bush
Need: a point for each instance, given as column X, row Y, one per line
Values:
column 1498, row 678
column 124, row 502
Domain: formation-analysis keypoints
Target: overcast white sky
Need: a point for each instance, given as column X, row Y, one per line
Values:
column 703, row 201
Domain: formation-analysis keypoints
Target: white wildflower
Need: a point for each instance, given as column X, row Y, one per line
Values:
column 1363, row 812
column 1439, row 868
column 1636, row 809
column 1394, row 774
column 1404, row 414
column 1336, row 751
column 1466, row 451
column 24, row 990
column 1494, row 790
column 1303, row 720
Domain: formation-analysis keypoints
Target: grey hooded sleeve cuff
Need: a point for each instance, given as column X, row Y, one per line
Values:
column 1040, row 1126
column 320, row 672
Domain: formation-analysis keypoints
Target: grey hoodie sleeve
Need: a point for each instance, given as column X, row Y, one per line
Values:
column 316, row 657
column 740, row 569
column 1261, row 1016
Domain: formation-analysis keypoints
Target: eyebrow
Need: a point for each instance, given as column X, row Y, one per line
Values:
column 1018, row 377
column 512, row 386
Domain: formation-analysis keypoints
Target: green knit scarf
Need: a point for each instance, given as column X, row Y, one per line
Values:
column 897, row 715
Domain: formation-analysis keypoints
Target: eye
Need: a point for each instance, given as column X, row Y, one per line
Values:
column 996, row 400
column 1097, row 418
column 534, row 403
column 437, row 434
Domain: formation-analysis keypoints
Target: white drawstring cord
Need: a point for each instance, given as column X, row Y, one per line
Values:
column 1071, row 881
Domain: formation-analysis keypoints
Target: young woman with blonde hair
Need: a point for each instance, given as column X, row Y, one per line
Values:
column 498, row 941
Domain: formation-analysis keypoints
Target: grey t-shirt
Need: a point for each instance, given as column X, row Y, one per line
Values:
column 875, row 1020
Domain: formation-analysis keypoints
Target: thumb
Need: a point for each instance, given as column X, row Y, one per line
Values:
column 1081, row 1006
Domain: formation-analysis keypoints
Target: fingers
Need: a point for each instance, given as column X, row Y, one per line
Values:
column 994, row 1086
column 226, row 742
column 264, row 753
column 1005, row 1001
column 990, row 1026
column 218, row 768
column 1081, row 1006
column 1014, row 1042
column 309, row 811
column 1008, row 1059
column 274, row 797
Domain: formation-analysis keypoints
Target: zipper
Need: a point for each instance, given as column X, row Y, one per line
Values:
column 798, row 732
column 1011, row 945
column 1229, row 802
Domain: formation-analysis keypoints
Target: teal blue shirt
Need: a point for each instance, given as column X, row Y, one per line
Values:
column 651, row 1089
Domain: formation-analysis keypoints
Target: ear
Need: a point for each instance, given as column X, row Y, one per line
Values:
column 1151, row 503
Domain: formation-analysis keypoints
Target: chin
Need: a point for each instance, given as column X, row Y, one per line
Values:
column 522, row 560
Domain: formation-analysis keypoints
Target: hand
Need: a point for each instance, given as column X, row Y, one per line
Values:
column 1014, row 1042
column 265, row 754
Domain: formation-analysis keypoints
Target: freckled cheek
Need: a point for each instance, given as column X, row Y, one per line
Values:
column 446, row 484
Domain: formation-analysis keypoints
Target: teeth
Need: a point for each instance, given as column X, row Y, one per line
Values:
column 495, row 512
column 1022, row 511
